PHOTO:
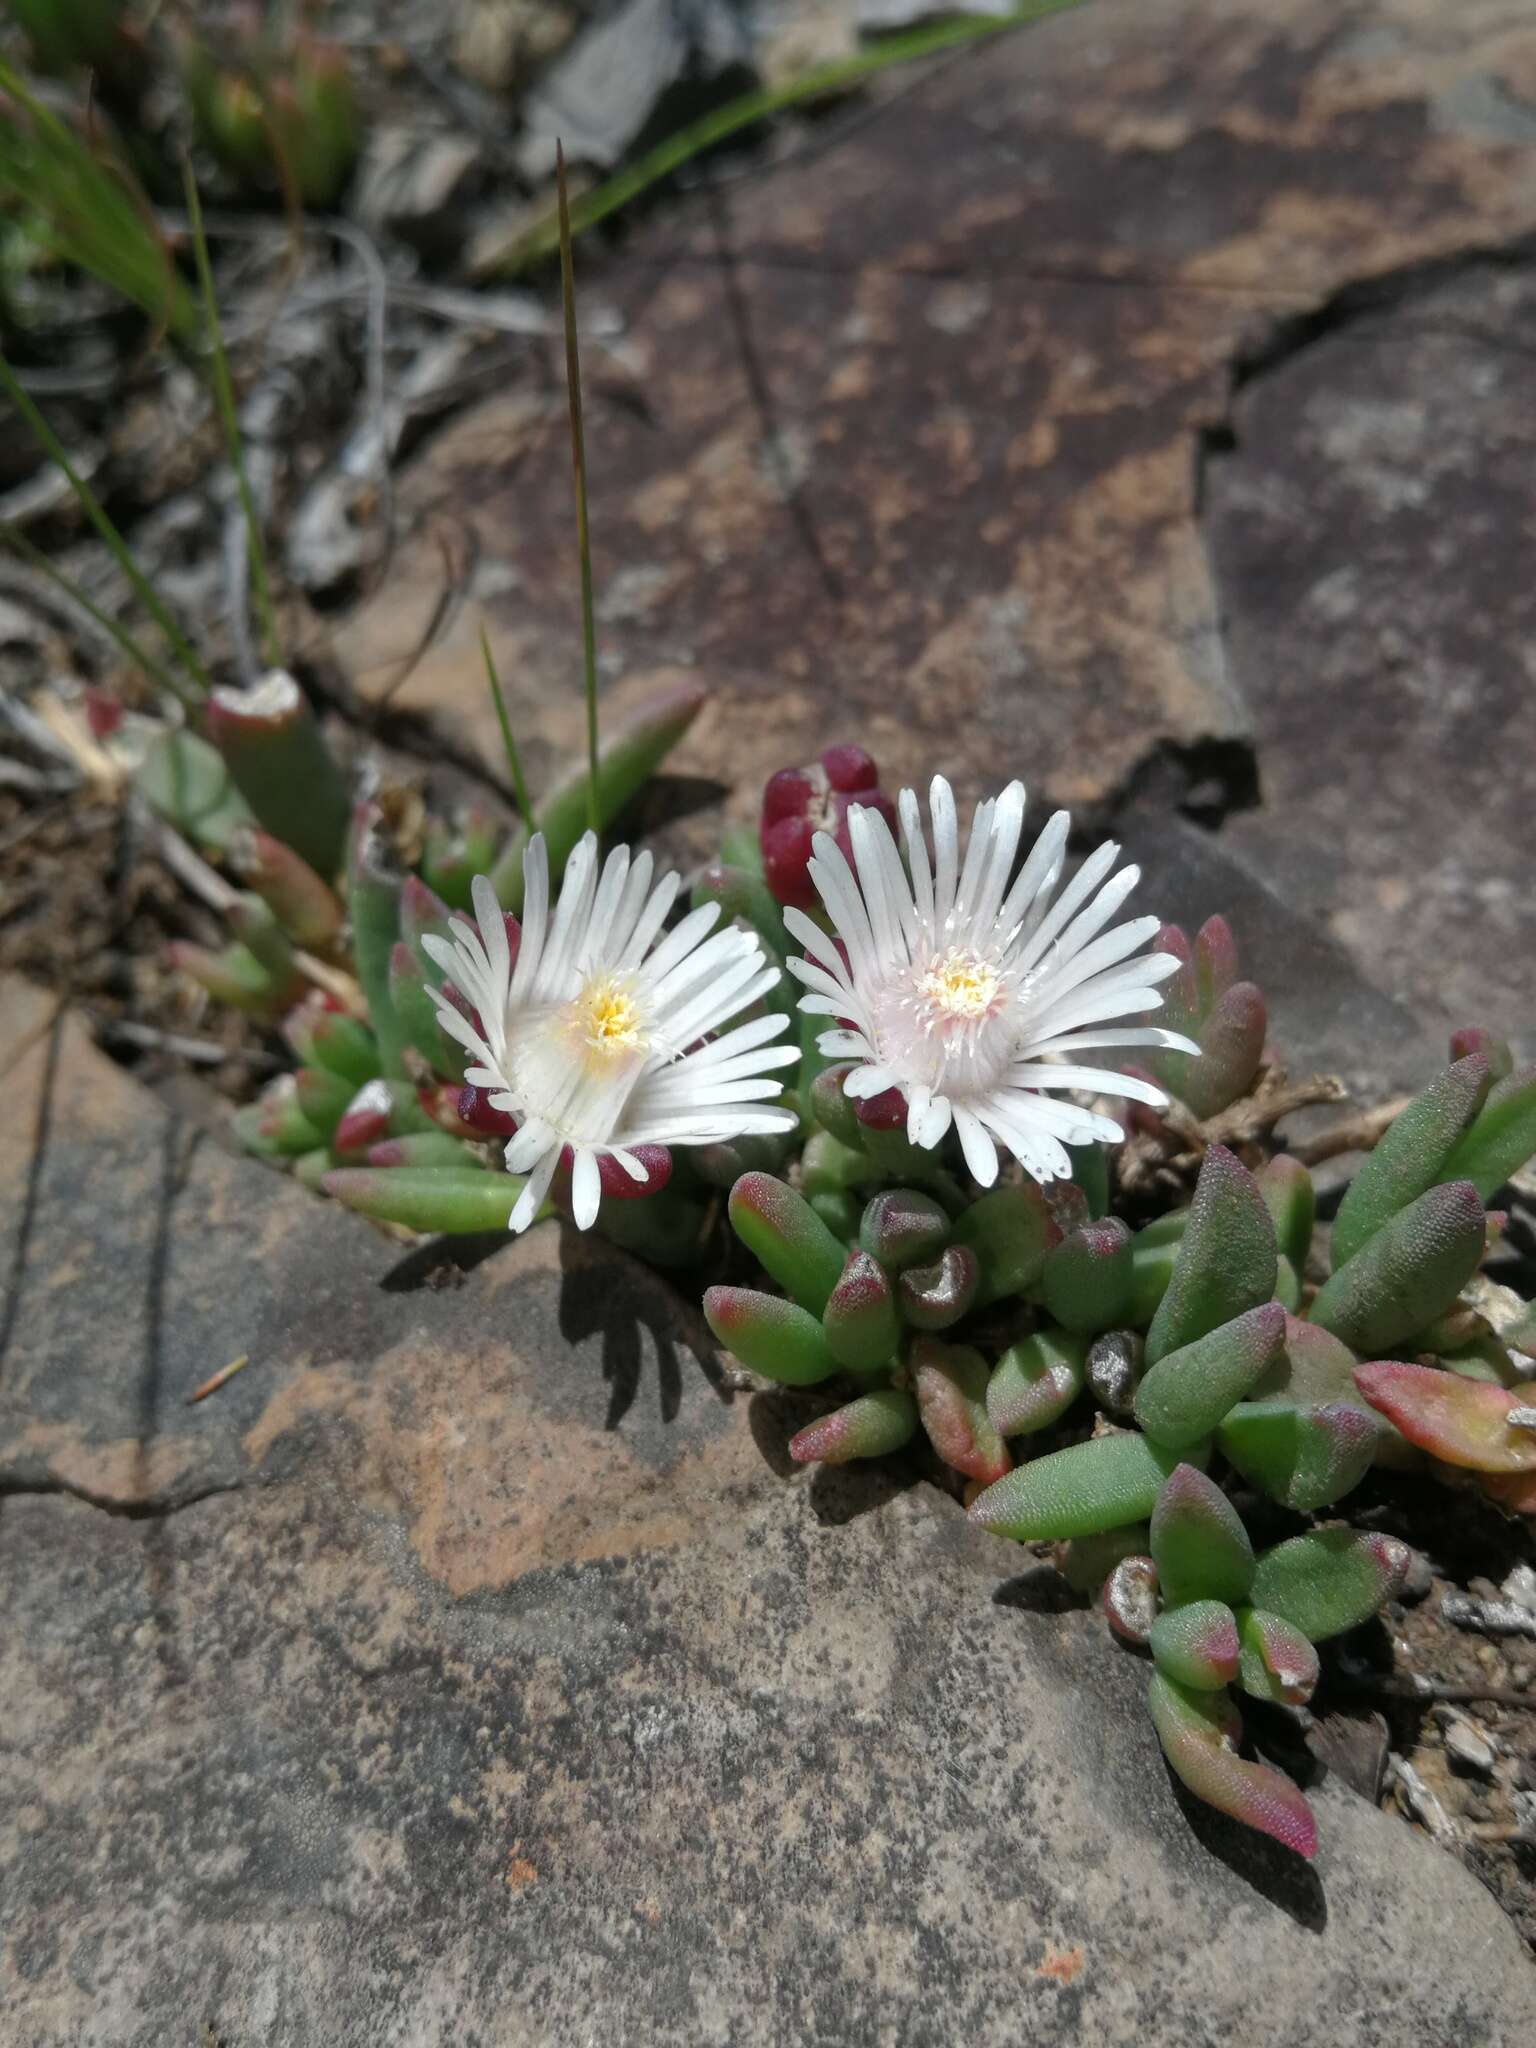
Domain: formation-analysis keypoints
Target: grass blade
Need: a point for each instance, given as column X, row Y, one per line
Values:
column 224, row 399
column 514, row 764
column 123, row 639
column 579, row 464
column 722, row 122
column 53, row 447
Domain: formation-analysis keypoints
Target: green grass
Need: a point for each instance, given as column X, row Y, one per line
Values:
column 85, row 207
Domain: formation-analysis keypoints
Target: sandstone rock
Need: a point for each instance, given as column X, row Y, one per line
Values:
column 905, row 435
column 1365, row 530
column 474, row 1668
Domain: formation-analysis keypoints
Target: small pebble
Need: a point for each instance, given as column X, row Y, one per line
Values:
column 1520, row 1587
column 1468, row 1749
column 1420, row 1578
column 1492, row 1617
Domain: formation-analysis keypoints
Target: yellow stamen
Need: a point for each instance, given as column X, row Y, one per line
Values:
column 608, row 1019
column 960, row 985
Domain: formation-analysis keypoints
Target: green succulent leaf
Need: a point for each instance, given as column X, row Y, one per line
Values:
column 1080, row 1491
column 1304, row 1457
column 771, row 1336
column 1227, row 1258
column 1501, row 1140
column 1035, row 1381
column 1291, row 1201
column 1407, row 1273
column 1198, row 1541
column 1411, row 1157
column 1199, row 1732
column 860, row 1319
column 1085, row 1282
column 788, row 1239
column 1277, row 1662
column 1329, row 1580
column 1196, row 1645
column 1187, row 1392
column 950, row 1382
column 1010, row 1230
column 446, row 1200
column 869, row 1427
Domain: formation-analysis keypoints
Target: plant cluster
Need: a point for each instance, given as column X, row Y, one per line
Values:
column 1209, row 1352
column 270, row 101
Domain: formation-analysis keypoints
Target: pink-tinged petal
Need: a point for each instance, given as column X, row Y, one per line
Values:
column 1460, row 1421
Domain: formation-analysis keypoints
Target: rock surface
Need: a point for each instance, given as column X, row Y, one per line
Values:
column 909, row 436
column 473, row 1668
column 1369, row 531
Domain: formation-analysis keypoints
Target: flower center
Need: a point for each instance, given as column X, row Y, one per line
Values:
column 959, row 986
column 607, row 1019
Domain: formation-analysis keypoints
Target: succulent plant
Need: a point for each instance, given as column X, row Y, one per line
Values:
column 329, row 928
column 984, row 1323
column 283, row 114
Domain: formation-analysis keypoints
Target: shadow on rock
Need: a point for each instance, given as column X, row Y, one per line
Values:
column 444, row 1262
column 1039, row 1590
column 1280, row 1876
column 606, row 1293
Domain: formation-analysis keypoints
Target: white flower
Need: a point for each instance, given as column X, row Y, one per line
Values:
column 591, row 1038
column 962, row 991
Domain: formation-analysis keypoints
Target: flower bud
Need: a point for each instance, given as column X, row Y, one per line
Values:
column 800, row 802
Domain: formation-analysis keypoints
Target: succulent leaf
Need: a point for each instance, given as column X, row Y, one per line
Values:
column 1304, row 1457
column 1187, row 1392
column 1461, row 1421
column 1277, row 1662
column 1329, row 1580
column 445, row 1200
column 1227, row 1257
column 904, row 1227
column 950, row 1382
column 869, row 1427
column 1411, row 1157
column 1080, row 1491
column 860, row 1319
column 1086, row 1279
column 1154, row 1254
column 1010, row 1230
column 1501, row 1140
column 1196, row 1645
column 936, row 1297
column 1035, row 1381
column 1291, row 1201
column 1199, row 1732
column 280, row 763
column 1231, row 1042
column 787, row 1237
column 1198, row 1541
column 771, row 1336
column 1407, row 1273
